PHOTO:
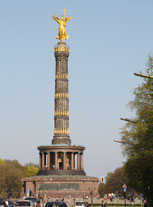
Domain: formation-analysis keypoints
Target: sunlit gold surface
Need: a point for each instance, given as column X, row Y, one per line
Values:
column 61, row 49
column 61, row 95
column 61, row 131
column 61, row 113
column 61, row 76
column 62, row 35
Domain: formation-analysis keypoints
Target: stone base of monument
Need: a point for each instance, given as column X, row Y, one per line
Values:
column 61, row 186
column 61, row 174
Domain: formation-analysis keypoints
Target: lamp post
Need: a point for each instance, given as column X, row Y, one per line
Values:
column 143, row 75
column 118, row 141
column 91, row 194
column 128, row 120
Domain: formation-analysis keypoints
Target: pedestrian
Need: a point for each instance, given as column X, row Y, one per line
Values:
column 145, row 203
column 6, row 203
column 105, row 205
column 74, row 201
column 102, row 204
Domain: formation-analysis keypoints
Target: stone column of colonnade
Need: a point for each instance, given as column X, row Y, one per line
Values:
column 56, row 161
column 45, row 161
column 64, row 160
column 82, row 164
column 40, row 160
column 72, row 161
column 78, row 161
column 48, row 161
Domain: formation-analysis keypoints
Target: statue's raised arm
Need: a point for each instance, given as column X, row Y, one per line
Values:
column 62, row 35
column 56, row 19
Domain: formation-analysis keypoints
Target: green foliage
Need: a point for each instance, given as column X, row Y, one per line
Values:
column 140, row 172
column 11, row 173
column 31, row 171
column 102, row 189
column 115, row 181
column 2, row 162
column 109, row 175
column 13, row 180
column 2, row 181
column 137, row 138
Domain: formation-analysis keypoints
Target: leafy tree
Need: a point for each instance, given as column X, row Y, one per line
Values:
column 2, row 181
column 11, row 173
column 31, row 171
column 15, row 164
column 2, row 162
column 140, row 174
column 109, row 175
column 102, row 189
column 137, row 138
column 13, row 180
column 114, row 183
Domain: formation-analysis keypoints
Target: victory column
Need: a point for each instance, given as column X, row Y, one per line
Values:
column 61, row 115
column 61, row 166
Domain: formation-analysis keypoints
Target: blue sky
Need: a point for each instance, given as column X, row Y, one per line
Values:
column 109, row 41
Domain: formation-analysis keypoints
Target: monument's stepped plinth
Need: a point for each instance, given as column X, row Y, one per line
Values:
column 56, row 186
column 61, row 173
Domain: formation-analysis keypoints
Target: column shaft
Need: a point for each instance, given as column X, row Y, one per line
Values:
column 82, row 167
column 48, row 161
column 43, row 161
column 78, row 161
column 64, row 160
column 61, row 117
column 56, row 161
column 72, row 161
column 40, row 160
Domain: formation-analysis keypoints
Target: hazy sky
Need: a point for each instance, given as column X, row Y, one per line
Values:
column 109, row 41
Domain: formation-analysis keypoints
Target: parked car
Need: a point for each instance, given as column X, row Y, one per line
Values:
column 23, row 203
column 55, row 204
column 32, row 199
column 2, row 202
column 86, row 204
column 81, row 204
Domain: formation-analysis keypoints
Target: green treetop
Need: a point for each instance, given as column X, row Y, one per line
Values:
column 137, row 138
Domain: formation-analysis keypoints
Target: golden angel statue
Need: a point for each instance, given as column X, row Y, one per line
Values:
column 62, row 35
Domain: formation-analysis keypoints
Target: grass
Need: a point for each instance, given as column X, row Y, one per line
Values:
column 116, row 205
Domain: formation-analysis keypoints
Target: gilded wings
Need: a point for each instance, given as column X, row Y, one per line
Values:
column 62, row 35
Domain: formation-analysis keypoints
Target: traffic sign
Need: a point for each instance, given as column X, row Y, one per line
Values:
column 102, row 179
